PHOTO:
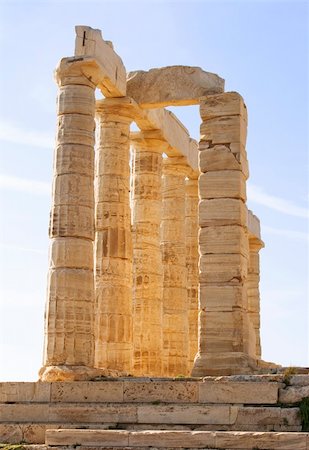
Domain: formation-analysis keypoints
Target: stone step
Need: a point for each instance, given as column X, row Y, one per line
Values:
column 34, row 433
column 210, row 390
column 149, row 414
column 178, row 439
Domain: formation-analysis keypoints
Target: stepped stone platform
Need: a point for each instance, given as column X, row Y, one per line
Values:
column 223, row 412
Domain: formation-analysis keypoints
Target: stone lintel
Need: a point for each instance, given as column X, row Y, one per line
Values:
column 89, row 42
column 163, row 124
column 172, row 86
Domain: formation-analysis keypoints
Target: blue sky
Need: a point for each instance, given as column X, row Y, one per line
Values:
column 260, row 48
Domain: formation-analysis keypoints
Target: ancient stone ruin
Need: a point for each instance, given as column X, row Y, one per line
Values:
column 154, row 266
column 153, row 287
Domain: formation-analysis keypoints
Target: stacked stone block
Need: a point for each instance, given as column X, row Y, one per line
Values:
column 69, row 338
column 253, row 291
column 147, row 262
column 113, row 240
column 192, row 257
column 173, row 246
column 226, row 337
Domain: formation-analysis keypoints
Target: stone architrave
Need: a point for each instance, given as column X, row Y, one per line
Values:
column 192, row 257
column 173, row 85
column 147, row 261
column 253, row 292
column 226, row 335
column 173, row 247
column 113, row 240
column 69, row 331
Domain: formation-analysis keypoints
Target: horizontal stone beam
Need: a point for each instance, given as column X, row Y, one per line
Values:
column 164, row 125
column 89, row 42
column 174, row 85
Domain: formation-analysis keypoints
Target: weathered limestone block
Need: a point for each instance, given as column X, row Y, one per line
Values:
column 222, row 211
column 70, row 158
column 255, row 245
column 147, row 263
column 224, row 130
column 69, row 340
column 173, row 85
column 225, row 330
column 89, row 42
column 224, row 240
column 173, row 247
column 293, row 394
column 217, row 158
column 238, row 392
column 113, row 241
column 223, row 184
column 160, row 391
column 223, row 268
column 224, row 298
column 192, row 256
column 229, row 104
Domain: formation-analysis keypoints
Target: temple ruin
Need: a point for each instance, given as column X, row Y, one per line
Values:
column 152, row 324
column 154, row 258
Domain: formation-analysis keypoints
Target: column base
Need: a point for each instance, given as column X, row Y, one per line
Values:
column 230, row 363
column 76, row 373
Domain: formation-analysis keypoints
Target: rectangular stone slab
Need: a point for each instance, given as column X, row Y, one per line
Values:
column 181, row 414
column 239, row 392
column 89, row 42
column 87, row 437
column 222, row 184
column 173, row 85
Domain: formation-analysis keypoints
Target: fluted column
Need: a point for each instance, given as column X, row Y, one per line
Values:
column 147, row 262
column 226, row 335
column 253, row 292
column 113, row 241
column 69, row 336
column 192, row 257
column 173, row 247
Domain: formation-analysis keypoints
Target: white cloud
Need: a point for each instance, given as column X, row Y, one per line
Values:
column 9, row 132
column 257, row 195
column 292, row 234
column 21, row 184
column 23, row 249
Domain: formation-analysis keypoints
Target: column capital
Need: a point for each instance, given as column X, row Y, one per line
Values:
column 149, row 140
column 255, row 244
column 176, row 166
column 116, row 106
column 80, row 71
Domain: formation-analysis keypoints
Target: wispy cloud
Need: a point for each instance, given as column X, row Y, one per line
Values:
column 10, row 132
column 23, row 249
column 257, row 195
column 24, row 185
column 291, row 234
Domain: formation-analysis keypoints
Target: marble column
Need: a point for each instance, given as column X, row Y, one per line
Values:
column 253, row 292
column 147, row 261
column 69, row 332
column 113, row 240
column 192, row 257
column 173, row 248
column 226, row 336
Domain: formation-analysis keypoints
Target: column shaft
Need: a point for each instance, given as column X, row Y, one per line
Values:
column 253, row 291
column 192, row 257
column 69, row 339
column 113, row 241
column 173, row 247
column 147, row 263
column 225, row 332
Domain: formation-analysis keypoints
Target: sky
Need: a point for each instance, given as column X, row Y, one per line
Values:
column 259, row 47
